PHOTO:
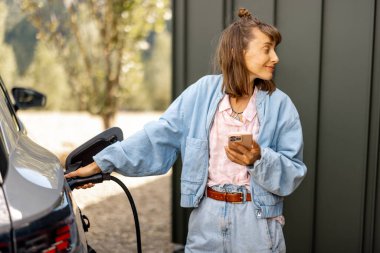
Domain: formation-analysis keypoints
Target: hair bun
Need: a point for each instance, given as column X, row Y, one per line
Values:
column 244, row 13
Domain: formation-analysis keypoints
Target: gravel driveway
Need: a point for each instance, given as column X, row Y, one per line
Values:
column 112, row 225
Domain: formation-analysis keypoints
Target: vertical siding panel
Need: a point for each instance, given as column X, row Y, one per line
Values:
column 345, row 91
column 179, row 76
column 373, row 148
column 179, row 81
column 263, row 9
column 228, row 12
column 196, row 26
column 296, row 74
column 205, row 22
column 375, row 133
column 376, row 233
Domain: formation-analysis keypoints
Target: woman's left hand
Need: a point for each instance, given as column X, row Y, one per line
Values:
column 242, row 155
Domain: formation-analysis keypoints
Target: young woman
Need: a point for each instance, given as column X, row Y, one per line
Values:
column 236, row 191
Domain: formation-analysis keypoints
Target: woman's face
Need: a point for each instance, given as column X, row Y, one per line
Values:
column 260, row 56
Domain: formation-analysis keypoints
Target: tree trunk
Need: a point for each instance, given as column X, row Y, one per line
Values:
column 108, row 120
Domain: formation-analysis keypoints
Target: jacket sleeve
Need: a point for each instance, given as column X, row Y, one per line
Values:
column 151, row 151
column 280, row 172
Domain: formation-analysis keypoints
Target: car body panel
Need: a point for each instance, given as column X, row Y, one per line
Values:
column 34, row 195
column 34, row 182
column 5, row 224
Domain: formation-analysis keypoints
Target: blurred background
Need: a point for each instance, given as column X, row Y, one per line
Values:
column 94, row 56
column 100, row 63
column 105, row 63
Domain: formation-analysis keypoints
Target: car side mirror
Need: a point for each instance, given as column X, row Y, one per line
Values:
column 27, row 98
column 83, row 154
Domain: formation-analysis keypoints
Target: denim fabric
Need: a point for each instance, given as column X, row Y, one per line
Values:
column 230, row 188
column 222, row 227
column 184, row 129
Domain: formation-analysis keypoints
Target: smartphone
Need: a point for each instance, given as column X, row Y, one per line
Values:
column 244, row 138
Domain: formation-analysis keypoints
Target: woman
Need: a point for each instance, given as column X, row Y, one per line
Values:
column 237, row 191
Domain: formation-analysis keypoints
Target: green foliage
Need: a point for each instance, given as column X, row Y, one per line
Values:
column 157, row 73
column 100, row 45
column 154, row 93
column 7, row 63
column 48, row 76
column 22, row 38
column 54, row 64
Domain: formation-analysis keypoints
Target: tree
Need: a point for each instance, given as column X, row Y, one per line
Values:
column 47, row 75
column 100, row 44
column 157, row 75
column 7, row 63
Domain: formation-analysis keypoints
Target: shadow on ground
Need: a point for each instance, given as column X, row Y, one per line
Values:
column 112, row 225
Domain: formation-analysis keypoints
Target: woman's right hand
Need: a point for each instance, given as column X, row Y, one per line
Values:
column 86, row 171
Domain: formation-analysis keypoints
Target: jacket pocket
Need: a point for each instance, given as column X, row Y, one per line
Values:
column 195, row 160
column 263, row 197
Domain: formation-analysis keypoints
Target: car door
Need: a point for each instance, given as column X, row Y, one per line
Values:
column 34, row 180
column 43, row 216
column 5, row 222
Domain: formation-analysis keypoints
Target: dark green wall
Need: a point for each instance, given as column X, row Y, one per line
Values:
column 330, row 67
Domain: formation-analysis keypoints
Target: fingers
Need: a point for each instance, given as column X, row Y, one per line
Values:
column 75, row 174
column 85, row 171
column 71, row 174
column 238, row 147
column 256, row 150
column 237, row 157
column 86, row 186
column 232, row 156
column 242, row 155
column 255, row 145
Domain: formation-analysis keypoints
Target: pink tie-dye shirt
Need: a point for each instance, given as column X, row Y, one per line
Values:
column 221, row 169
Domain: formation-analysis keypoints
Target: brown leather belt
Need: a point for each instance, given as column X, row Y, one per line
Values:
column 228, row 197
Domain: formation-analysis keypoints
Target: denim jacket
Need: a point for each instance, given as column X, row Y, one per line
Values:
column 184, row 129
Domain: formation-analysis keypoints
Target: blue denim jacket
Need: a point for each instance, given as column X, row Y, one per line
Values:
column 184, row 129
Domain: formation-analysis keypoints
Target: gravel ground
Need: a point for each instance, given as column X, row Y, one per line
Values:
column 112, row 225
column 106, row 205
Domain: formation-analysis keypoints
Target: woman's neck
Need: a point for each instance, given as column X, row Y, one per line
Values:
column 238, row 104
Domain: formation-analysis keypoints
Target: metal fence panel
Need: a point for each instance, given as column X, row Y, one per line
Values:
column 298, row 74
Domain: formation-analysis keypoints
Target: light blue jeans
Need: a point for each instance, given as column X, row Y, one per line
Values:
column 222, row 227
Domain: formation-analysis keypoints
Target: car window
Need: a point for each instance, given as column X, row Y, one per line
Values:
column 9, row 123
column 8, row 102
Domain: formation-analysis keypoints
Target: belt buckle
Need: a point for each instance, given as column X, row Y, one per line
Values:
column 241, row 199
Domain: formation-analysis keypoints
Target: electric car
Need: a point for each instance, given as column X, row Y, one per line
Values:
column 37, row 210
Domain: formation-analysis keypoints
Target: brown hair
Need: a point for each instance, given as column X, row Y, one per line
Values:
column 230, row 54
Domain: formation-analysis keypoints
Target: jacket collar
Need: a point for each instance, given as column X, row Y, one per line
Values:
column 260, row 99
